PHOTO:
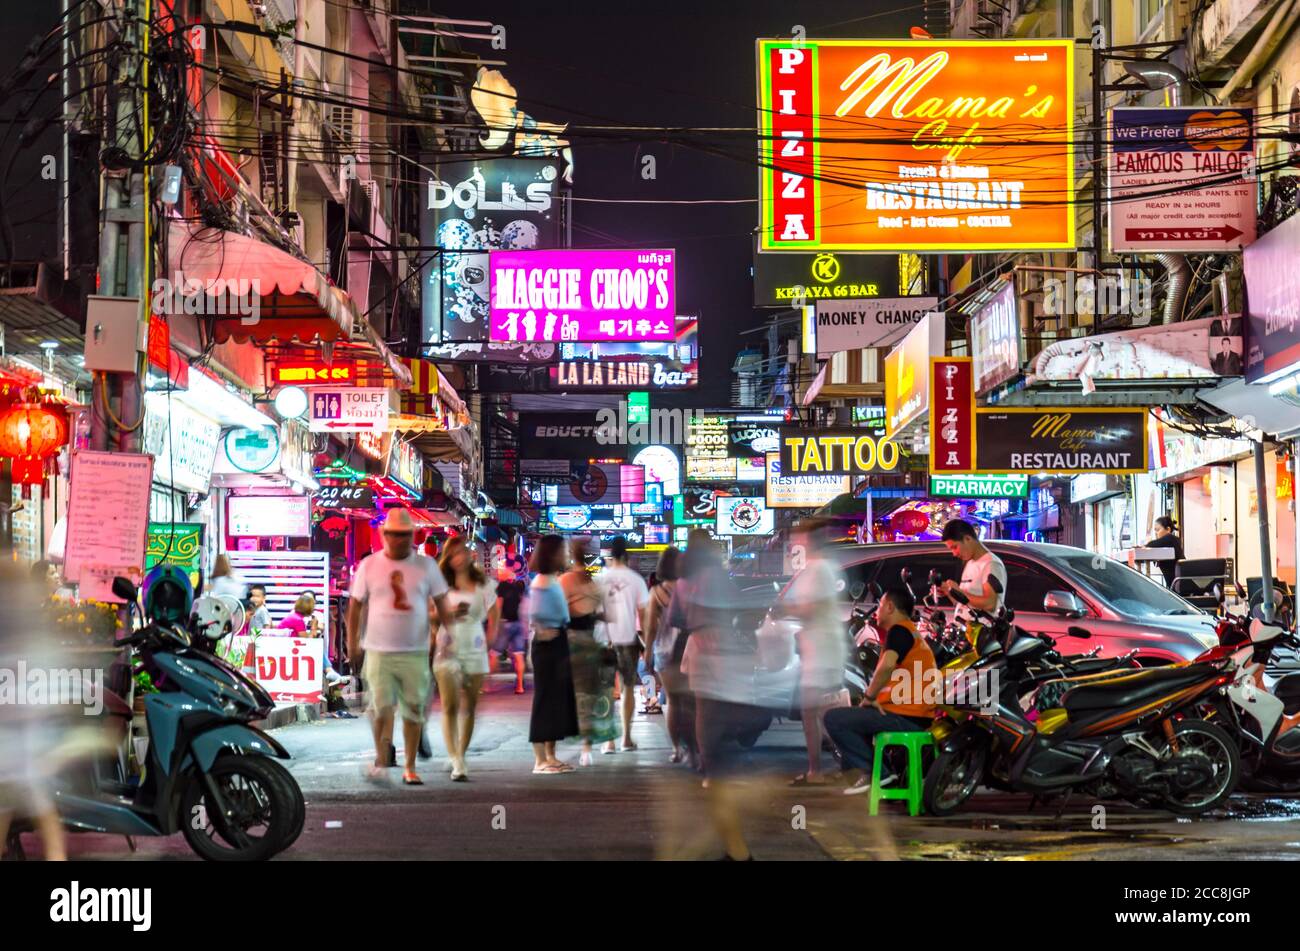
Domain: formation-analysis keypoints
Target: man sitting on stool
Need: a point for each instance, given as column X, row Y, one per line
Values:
column 886, row 707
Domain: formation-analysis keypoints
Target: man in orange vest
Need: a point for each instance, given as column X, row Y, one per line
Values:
column 896, row 699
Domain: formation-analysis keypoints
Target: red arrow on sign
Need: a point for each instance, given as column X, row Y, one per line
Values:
column 1223, row 233
column 336, row 424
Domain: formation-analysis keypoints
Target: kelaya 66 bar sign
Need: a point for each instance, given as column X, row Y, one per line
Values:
column 836, row 452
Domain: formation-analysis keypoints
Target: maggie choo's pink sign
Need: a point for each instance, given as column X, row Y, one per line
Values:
column 591, row 296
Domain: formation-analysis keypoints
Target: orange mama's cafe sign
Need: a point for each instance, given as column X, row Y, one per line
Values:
column 924, row 145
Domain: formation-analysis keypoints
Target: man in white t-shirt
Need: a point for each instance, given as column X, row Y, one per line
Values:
column 625, row 594
column 400, row 590
column 979, row 565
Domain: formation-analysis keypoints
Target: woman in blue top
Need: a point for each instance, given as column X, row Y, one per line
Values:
column 555, row 707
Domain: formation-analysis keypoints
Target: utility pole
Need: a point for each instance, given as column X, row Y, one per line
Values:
column 116, row 417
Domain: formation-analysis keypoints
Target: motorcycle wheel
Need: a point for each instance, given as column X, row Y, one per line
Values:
column 300, row 805
column 953, row 778
column 1205, row 740
column 262, row 807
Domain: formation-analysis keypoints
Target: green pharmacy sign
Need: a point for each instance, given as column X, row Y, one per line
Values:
column 980, row 486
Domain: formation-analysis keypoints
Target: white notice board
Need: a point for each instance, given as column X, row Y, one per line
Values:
column 108, row 517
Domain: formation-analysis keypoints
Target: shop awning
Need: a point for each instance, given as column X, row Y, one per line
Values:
column 1276, row 414
column 296, row 306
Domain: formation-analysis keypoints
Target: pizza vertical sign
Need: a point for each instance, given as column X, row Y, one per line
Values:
column 1182, row 179
column 952, row 415
column 924, row 145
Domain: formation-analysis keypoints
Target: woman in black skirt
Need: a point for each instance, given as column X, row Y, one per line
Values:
column 555, row 707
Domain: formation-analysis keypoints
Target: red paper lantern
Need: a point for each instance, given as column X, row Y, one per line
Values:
column 910, row 522
column 29, row 434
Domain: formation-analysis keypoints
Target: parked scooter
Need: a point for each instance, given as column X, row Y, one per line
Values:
column 209, row 773
column 1132, row 735
column 1261, row 712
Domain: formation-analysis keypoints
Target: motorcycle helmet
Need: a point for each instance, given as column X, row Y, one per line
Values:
column 168, row 595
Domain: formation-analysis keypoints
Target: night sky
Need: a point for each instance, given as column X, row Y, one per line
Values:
column 669, row 64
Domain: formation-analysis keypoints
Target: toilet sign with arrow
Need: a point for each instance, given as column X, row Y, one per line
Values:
column 347, row 409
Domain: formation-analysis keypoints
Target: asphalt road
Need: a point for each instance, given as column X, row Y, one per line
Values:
column 638, row 806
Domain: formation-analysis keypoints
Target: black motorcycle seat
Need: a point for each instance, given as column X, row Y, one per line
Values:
column 1132, row 688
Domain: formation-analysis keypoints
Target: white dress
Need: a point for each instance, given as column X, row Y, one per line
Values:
column 465, row 645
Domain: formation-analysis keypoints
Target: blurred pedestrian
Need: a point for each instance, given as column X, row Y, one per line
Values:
column 555, row 708
column 31, row 733
column 625, row 595
column 461, row 660
column 593, row 657
column 814, row 601
column 225, row 581
column 399, row 590
column 512, row 634
column 719, row 664
column 663, row 648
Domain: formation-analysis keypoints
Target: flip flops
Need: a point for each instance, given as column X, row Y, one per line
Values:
column 411, row 778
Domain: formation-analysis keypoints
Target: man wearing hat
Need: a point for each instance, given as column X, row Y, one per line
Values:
column 397, row 591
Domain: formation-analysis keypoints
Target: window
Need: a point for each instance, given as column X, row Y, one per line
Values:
column 888, row 570
column 1148, row 10
column 1028, row 584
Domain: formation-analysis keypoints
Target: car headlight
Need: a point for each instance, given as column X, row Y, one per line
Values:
column 1206, row 639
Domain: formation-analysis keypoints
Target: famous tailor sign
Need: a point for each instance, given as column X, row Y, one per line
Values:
column 928, row 145
column 1181, row 179
column 583, row 295
column 1034, row 440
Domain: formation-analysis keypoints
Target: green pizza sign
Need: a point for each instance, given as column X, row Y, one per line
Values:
column 980, row 486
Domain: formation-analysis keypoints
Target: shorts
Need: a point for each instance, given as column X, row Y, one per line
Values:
column 399, row 679
column 718, row 724
column 512, row 638
column 627, row 657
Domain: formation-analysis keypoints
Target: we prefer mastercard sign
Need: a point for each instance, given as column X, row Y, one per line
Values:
column 927, row 145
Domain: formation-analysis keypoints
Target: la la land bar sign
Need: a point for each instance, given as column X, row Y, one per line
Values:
column 932, row 145
column 637, row 372
column 837, row 451
column 572, row 295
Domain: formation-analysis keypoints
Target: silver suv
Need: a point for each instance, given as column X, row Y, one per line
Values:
column 1052, row 588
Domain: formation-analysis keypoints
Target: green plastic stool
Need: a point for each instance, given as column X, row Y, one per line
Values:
column 912, row 792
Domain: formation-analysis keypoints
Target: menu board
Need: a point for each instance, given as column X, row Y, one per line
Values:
column 108, row 518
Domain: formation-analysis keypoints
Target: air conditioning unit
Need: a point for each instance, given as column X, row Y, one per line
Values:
column 378, row 224
column 341, row 118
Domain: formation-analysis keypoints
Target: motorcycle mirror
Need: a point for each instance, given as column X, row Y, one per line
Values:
column 936, row 577
column 1078, row 632
column 857, row 590
column 905, row 574
column 875, row 590
column 124, row 589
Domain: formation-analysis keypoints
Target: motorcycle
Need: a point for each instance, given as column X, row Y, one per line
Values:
column 1263, row 718
column 208, row 772
column 1128, row 734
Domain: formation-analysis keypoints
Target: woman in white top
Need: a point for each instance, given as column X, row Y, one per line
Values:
column 461, row 660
